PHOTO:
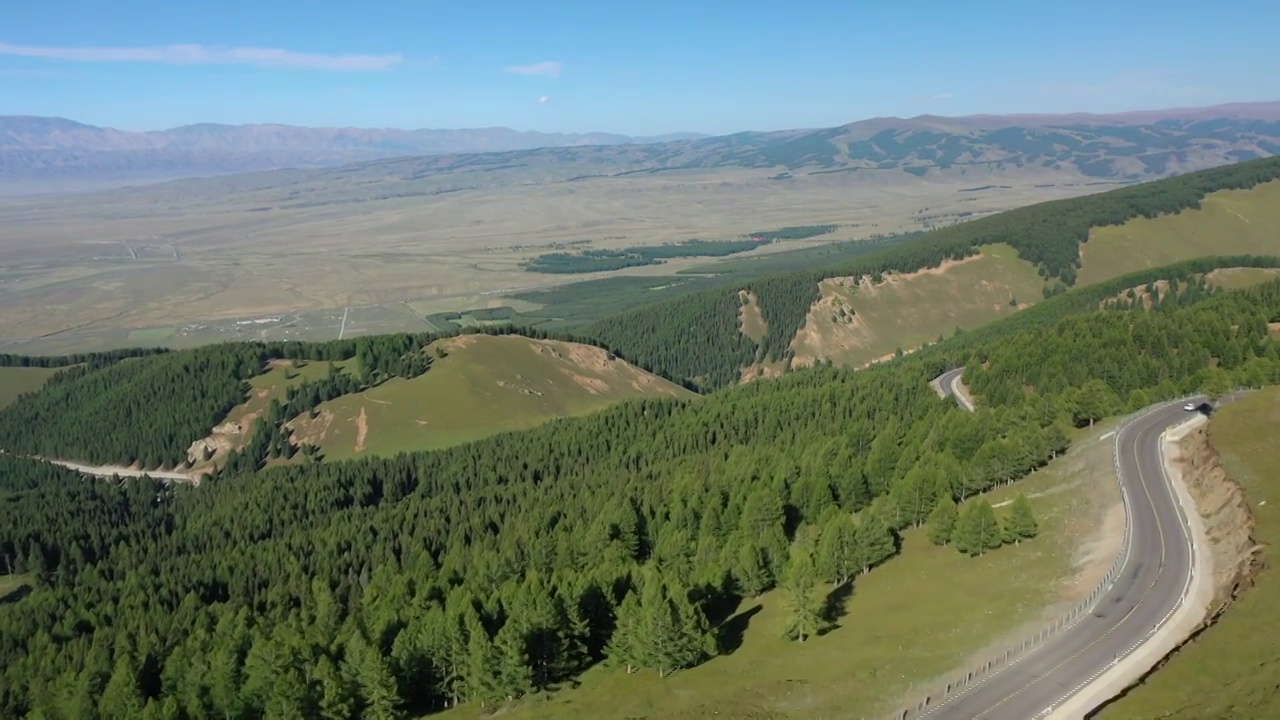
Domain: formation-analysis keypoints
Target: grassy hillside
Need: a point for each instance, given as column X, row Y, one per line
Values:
column 858, row 321
column 234, row 432
column 1230, row 670
column 1047, row 235
column 1227, row 222
column 482, row 386
column 1234, row 278
column 957, row 607
column 17, row 380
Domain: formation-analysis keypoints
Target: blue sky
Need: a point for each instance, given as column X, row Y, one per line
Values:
column 652, row 67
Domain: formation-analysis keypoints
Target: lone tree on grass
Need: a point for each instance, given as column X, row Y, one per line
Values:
column 977, row 529
column 1021, row 523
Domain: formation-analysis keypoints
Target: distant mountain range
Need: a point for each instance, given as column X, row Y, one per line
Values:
column 1127, row 146
column 40, row 148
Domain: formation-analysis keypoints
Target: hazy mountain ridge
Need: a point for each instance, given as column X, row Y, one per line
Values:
column 1089, row 152
column 1120, row 147
column 53, row 148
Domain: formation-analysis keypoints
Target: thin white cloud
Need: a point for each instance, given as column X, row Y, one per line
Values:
column 15, row 72
column 549, row 69
column 942, row 96
column 544, row 99
column 204, row 55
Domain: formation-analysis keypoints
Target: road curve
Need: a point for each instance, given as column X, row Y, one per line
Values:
column 1152, row 580
column 947, row 385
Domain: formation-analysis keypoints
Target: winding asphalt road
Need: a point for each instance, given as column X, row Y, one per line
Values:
column 1155, row 574
column 947, row 382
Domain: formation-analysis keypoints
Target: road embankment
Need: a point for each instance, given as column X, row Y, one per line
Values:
column 1188, row 465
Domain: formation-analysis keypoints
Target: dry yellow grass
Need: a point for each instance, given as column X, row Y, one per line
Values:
column 750, row 322
column 859, row 322
column 149, row 258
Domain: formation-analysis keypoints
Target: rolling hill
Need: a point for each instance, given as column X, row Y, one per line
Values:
column 900, row 290
column 481, row 386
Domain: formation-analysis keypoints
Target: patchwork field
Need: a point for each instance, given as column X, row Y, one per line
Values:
column 1229, row 222
column 1229, row 671
column 482, row 386
column 930, row 617
column 858, row 322
column 17, row 380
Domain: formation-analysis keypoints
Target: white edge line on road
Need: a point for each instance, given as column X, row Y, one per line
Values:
column 1107, row 585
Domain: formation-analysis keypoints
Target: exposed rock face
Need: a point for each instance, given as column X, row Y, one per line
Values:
column 1227, row 517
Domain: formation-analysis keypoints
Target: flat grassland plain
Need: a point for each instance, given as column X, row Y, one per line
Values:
column 17, row 380
column 1230, row 670
column 183, row 263
column 904, row 625
column 482, row 386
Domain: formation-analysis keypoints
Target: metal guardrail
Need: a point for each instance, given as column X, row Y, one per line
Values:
column 963, row 683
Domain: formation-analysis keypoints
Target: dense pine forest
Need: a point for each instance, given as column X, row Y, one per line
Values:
column 386, row 588
column 1049, row 235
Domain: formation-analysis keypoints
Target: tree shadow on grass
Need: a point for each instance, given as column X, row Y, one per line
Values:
column 734, row 630
column 836, row 605
column 15, row 595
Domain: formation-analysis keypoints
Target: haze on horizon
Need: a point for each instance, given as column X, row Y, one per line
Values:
column 586, row 67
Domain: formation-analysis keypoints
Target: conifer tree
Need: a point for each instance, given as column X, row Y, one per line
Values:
column 752, row 572
column 799, row 584
column 838, row 549
column 675, row 631
column 942, row 521
column 1021, row 523
column 626, row 645
column 335, row 701
column 481, row 665
column 122, row 698
column 977, row 529
column 874, row 540
column 378, row 687
column 512, row 676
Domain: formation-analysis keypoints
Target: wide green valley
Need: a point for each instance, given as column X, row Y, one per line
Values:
column 603, row 520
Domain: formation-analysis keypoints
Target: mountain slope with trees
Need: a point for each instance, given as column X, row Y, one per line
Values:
column 696, row 337
column 385, row 587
